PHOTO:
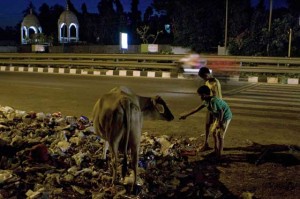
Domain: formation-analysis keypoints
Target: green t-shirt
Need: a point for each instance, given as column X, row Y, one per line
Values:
column 215, row 104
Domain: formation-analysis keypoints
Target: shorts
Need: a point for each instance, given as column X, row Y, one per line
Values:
column 222, row 131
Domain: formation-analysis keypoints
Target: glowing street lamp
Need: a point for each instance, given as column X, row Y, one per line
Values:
column 123, row 41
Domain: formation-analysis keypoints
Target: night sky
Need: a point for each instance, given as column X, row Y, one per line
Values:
column 11, row 10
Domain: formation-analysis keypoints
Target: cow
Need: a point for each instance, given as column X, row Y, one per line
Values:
column 118, row 118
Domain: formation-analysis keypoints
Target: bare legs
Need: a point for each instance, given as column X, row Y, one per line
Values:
column 219, row 135
column 205, row 145
column 208, row 126
column 219, row 142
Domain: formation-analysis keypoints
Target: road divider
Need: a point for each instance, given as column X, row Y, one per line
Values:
column 95, row 72
column 138, row 73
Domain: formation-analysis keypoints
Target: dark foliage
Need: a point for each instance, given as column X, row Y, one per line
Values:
column 199, row 25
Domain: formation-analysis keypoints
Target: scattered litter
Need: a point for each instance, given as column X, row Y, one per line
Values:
column 55, row 156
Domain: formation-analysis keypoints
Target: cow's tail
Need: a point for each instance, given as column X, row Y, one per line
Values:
column 95, row 117
column 127, row 121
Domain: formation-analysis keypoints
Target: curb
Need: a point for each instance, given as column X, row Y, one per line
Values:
column 269, row 80
column 95, row 72
column 137, row 73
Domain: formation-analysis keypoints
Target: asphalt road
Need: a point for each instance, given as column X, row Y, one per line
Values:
column 76, row 94
column 263, row 113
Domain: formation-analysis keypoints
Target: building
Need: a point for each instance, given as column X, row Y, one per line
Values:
column 30, row 26
column 68, row 27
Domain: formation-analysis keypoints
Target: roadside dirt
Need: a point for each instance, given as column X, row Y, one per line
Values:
column 247, row 169
column 261, row 169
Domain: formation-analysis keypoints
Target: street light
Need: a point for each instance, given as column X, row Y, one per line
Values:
column 269, row 28
column 290, row 42
column 226, row 24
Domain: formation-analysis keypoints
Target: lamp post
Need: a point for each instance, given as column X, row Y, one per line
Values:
column 269, row 27
column 290, row 42
column 226, row 24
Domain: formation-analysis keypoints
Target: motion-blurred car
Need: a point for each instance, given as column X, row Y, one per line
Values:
column 191, row 64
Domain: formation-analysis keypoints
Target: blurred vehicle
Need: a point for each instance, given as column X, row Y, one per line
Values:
column 192, row 63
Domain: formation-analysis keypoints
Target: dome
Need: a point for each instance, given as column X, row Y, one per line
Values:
column 67, row 17
column 31, row 20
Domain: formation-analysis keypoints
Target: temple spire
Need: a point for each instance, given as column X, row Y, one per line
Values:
column 67, row 6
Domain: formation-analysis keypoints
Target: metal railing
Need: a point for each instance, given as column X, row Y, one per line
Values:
column 151, row 62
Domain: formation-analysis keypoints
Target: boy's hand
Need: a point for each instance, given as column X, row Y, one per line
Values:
column 219, row 125
column 182, row 117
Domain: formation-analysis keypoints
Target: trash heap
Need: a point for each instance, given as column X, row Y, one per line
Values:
column 55, row 156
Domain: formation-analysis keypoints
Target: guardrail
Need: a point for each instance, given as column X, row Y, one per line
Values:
column 151, row 62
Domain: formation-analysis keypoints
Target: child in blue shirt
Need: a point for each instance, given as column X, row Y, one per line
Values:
column 221, row 116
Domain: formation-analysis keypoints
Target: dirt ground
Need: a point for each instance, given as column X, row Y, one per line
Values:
column 261, row 171
column 248, row 169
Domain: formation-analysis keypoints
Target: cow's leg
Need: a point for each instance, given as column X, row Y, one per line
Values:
column 134, row 156
column 116, row 135
column 114, row 150
column 127, row 111
column 124, row 165
column 135, row 139
column 105, row 148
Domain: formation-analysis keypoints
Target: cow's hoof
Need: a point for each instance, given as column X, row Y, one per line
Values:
column 136, row 189
column 102, row 163
column 132, row 189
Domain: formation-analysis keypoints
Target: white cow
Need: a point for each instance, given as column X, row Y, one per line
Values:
column 118, row 118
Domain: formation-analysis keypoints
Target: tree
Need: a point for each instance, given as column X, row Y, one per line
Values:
column 45, row 19
column 135, row 21
column 198, row 27
column 84, row 9
column 294, row 7
column 145, row 36
column 148, row 14
column 48, row 17
column 121, row 17
column 280, row 35
column 108, row 25
column 239, row 16
column 252, row 41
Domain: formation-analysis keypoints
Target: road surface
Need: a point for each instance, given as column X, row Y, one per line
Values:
column 263, row 113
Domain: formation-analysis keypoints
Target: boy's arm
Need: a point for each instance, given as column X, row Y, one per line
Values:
column 217, row 89
column 183, row 116
column 220, row 118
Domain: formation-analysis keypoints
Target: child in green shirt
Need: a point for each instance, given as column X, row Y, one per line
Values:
column 221, row 116
column 215, row 90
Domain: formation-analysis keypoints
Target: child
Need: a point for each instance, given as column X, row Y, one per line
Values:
column 215, row 88
column 221, row 114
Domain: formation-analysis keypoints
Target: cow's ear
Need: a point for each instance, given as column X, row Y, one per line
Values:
column 153, row 100
column 160, row 108
column 157, row 97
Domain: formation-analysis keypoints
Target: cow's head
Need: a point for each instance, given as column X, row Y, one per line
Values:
column 161, row 110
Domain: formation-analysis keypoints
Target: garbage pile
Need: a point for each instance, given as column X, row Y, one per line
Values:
column 55, row 156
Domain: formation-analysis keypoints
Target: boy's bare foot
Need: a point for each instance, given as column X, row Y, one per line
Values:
column 204, row 147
